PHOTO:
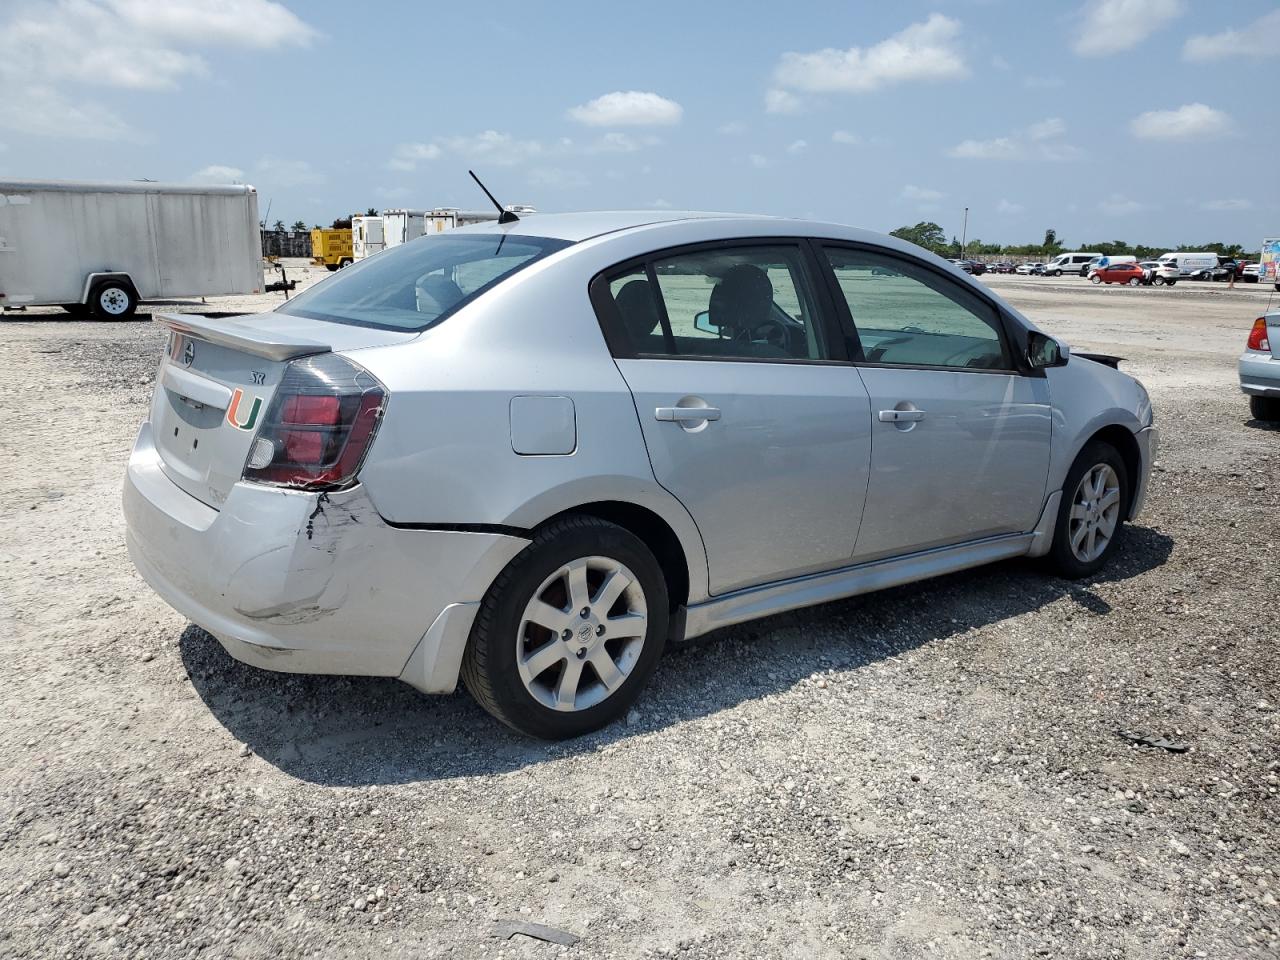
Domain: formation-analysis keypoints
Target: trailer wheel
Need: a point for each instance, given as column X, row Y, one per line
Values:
column 331, row 267
column 344, row 262
column 113, row 300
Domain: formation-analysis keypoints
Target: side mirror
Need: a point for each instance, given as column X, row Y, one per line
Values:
column 702, row 322
column 1046, row 351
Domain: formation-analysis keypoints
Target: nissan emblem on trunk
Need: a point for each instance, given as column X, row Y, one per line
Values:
column 189, row 354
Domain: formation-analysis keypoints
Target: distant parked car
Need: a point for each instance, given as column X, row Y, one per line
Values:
column 977, row 268
column 1249, row 272
column 964, row 265
column 1159, row 272
column 1259, row 367
column 1077, row 263
column 1030, row 269
column 1129, row 273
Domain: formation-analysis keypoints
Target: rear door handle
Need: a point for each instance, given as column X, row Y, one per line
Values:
column 686, row 414
column 899, row 416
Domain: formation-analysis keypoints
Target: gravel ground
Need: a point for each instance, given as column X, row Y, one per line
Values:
column 933, row 771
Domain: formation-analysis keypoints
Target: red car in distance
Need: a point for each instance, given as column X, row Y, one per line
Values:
column 1129, row 273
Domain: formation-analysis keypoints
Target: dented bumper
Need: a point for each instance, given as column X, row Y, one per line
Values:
column 306, row 582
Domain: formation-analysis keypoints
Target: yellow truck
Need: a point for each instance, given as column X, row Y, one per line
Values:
column 331, row 248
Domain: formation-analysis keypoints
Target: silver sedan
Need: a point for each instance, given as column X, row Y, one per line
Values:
column 532, row 454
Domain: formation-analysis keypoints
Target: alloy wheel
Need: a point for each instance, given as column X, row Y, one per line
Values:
column 581, row 634
column 1095, row 512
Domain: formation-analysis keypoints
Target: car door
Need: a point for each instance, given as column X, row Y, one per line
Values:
column 960, row 432
column 753, row 417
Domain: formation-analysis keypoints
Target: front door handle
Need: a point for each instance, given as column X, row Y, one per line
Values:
column 686, row 414
column 899, row 416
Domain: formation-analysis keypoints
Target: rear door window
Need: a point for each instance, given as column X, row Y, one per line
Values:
column 727, row 302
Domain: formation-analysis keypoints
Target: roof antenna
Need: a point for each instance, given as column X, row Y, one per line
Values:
column 504, row 215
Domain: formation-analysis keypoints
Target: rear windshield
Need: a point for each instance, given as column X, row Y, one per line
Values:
column 417, row 284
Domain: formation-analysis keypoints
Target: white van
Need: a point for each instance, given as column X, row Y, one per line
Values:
column 1070, row 263
column 1189, row 263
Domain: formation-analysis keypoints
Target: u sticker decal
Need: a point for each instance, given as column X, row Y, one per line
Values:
column 234, row 412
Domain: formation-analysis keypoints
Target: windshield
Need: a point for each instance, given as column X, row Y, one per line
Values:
column 415, row 285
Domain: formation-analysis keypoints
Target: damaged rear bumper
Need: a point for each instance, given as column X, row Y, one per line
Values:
column 310, row 583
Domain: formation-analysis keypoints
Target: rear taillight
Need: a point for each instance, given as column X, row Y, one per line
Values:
column 1258, row 336
column 320, row 425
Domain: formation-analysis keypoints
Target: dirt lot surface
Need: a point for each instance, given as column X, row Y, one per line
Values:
column 933, row 771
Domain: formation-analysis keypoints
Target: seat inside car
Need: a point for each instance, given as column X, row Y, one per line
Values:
column 639, row 313
column 741, row 303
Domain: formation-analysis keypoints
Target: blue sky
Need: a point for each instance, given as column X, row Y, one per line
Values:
column 1141, row 120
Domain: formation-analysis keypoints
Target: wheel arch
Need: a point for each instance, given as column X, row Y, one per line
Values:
column 93, row 279
column 656, row 533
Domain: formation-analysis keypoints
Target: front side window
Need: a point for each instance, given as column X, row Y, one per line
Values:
column 414, row 285
column 907, row 315
column 733, row 302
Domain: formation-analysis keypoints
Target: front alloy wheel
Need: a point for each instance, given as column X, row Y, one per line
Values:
column 1091, row 515
column 570, row 631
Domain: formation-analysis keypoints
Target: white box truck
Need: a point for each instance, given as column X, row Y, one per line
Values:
column 100, row 248
column 366, row 236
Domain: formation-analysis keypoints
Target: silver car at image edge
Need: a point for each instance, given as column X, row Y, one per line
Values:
column 1259, row 368
column 530, row 455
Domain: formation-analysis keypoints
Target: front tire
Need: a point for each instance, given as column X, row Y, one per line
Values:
column 1091, row 516
column 1096, row 279
column 1265, row 408
column 1055, row 273
column 570, row 631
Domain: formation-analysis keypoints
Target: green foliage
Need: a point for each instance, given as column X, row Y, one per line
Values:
column 924, row 234
column 299, row 225
column 371, row 212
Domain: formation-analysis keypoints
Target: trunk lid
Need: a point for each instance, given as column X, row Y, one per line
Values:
column 1273, row 334
column 215, row 386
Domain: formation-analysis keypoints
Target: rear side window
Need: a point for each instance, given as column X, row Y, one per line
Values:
column 906, row 315
column 731, row 302
column 417, row 284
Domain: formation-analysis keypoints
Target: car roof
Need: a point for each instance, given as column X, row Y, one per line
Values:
column 587, row 224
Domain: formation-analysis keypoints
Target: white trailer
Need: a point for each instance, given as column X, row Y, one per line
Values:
column 401, row 226
column 103, row 247
column 366, row 236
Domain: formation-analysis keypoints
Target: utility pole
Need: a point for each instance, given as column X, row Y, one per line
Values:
column 964, row 232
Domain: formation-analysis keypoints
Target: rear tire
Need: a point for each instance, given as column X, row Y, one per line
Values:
column 1091, row 517
column 1134, row 281
column 1265, row 408
column 344, row 262
column 331, row 267
column 113, row 300
column 583, row 670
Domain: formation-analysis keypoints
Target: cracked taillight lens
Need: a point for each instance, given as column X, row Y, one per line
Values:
column 320, row 425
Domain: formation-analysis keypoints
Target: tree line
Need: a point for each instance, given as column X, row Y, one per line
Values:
column 342, row 223
column 932, row 237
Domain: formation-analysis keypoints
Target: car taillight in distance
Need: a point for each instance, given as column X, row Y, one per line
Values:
column 1258, row 336
column 319, row 426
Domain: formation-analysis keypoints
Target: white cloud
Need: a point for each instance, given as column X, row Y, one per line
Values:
column 617, row 143
column 845, row 137
column 493, row 147
column 1192, row 121
column 1001, row 148
column 277, row 172
column 780, row 101
column 921, row 194
column 557, row 178
column 1259, row 39
column 631, row 108
column 243, row 23
column 924, row 51
column 407, row 156
column 1010, row 208
column 1113, row 26
column 218, row 173
column 1040, row 141
column 758, row 160
column 1226, row 206
column 1047, row 129
column 797, row 147
column 44, row 112
column 733, row 128
column 1118, row 205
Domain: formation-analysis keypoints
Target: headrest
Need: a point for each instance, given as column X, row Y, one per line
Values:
column 742, row 299
column 638, row 310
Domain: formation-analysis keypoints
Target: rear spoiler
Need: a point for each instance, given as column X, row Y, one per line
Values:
column 256, row 339
column 1106, row 359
